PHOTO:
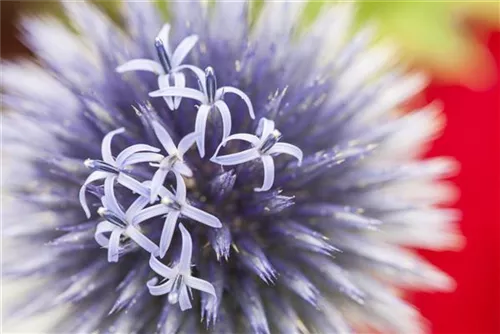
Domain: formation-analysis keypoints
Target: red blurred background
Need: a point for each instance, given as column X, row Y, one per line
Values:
column 472, row 136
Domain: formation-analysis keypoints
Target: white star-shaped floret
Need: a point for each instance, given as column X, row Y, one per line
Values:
column 178, row 280
column 173, row 162
column 264, row 146
column 167, row 66
column 119, row 224
column 174, row 206
column 110, row 167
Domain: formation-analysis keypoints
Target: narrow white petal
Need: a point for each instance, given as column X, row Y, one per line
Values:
column 129, row 151
column 201, row 285
column 226, row 117
column 186, row 251
column 133, row 185
column 134, row 208
column 142, row 157
column 141, row 65
column 142, row 240
column 236, row 158
column 101, row 229
column 201, row 216
column 94, row 176
column 179, row 81
column 268, row 164
column 180, row 189
column 287, row 149
column 156, row 183
column 163, row 36
column 164, row 192
column 198, row 72
column 243, row 96
column 109, row 200
column 182, row 92
column 114, row 245
column 161, row 269
column 254, row 140
column 164, row 138
column 186, row 142
column 106, row 146
column 200, row 127
column 183, row 169
column 265, row 128
column 168, row 231
column 152, row 211
column 184, row 300
column 164, row 82
column 161, row 289
column 183, row 49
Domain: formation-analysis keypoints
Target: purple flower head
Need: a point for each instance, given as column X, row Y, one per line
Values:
column 298, row 211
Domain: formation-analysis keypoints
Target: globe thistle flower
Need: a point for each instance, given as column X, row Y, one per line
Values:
column 307, row 227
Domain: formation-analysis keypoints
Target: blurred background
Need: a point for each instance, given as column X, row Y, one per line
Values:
column 458, row 43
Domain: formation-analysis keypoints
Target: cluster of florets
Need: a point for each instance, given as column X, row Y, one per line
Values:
column 120, row 230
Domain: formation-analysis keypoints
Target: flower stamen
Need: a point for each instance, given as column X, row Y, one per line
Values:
column 99, row 165
column 163, row 55
column 172, row 204
column 210, row 84
column 269, row 142
column 111, row 217
column 173, row 296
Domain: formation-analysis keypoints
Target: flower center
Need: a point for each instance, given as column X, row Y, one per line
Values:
column 168, row 162
column 272, row 139
column 171, row 203
column 173, row 296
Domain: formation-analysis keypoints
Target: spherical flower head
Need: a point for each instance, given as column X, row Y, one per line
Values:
column 230, row 164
